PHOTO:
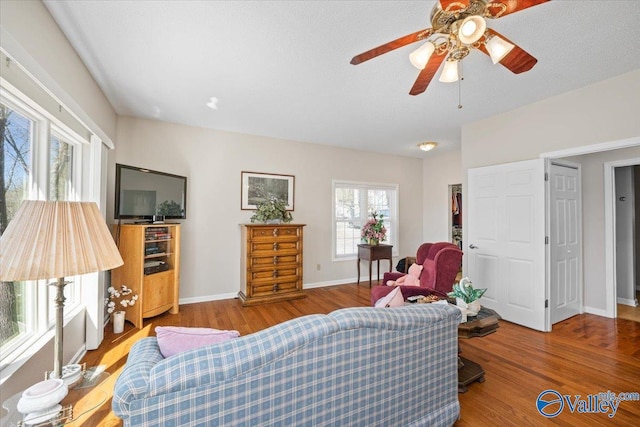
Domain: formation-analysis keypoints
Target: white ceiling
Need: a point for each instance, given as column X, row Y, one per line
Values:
column 281, row 68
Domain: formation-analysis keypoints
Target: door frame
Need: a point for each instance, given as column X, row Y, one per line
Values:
column 610, row 232
column 609, row 195
column 578, row 167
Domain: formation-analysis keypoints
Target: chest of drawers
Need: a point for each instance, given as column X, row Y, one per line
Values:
column 271, row 263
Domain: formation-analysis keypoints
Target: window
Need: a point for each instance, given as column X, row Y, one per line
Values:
column 353, row 204
column 37, row 161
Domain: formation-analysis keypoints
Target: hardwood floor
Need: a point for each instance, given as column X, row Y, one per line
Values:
column 628, row 312
column 584, row 355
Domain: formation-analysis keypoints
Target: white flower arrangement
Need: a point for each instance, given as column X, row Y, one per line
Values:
column 116, row 296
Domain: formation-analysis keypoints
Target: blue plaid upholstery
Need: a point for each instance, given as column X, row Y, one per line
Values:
column 353, row 367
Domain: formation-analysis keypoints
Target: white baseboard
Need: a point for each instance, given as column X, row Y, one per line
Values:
column 597, row 311
column 217, row 297
column 206, row 298
column 626, row 301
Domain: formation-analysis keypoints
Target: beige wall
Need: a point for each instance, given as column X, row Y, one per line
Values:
column 31, row 36
column 213, row 160
column 603, row 112
column 593, row 225
column 438, row 172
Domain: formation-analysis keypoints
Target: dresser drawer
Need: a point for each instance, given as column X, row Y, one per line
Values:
column 271, row 261
column 273, row 274
column 274, row 233
column 278, row 287
column 274, row 248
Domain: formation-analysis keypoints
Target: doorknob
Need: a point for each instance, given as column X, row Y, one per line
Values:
column 472, row 246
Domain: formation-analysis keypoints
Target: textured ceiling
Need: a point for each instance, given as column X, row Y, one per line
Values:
column 281, row 68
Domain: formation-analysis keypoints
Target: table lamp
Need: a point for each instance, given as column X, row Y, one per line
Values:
column 47, row 240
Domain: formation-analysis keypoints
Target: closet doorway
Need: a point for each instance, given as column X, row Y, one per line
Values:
column 455, row 216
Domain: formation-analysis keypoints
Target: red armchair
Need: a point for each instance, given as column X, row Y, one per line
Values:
column 440, row 261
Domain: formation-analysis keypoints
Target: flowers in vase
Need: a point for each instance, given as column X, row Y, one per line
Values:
column 374, row 229
column 116, row 297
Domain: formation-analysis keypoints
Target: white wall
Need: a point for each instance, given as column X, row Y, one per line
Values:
column 30, row 34
column 213, row 160
column 438, row 172
column 603, row 112
column 593, row 225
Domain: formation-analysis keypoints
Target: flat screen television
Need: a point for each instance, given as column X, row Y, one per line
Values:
column 145, row 194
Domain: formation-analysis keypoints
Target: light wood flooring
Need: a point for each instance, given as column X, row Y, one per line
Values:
column 628, row 312
column 583, row 355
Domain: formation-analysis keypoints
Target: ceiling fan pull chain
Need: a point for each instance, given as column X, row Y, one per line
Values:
column 461, row 74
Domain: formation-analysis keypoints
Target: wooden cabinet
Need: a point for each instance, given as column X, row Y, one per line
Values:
column 271, row 263
column 151, row 254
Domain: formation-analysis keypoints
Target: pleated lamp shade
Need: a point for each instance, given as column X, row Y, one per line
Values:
column 47, row 240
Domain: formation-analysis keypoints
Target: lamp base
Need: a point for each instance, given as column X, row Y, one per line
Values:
column 71, row 374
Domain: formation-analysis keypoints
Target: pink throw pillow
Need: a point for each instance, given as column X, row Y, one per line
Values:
column 392, row 299
column 174, row 339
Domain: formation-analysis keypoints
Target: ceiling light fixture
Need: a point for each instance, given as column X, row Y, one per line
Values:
column 449, row 72
column 471, row 29
column 498, row 48
column 457, row 28
column 421, row 55
column 427, row 146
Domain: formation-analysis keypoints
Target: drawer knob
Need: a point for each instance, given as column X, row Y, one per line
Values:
column 276, row 287
column 275, row 260
column 275, row 274
column 275, row 232
column 275, row 246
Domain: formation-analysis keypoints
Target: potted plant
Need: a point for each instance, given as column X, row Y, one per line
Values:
column 374, row 231
column 272, row 211
column 117, row 297
column 466, row 296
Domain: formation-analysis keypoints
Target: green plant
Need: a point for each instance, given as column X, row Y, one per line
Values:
column 271, row 209
column 167, row 208
column 464, row 290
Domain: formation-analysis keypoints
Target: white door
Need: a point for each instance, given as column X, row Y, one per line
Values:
column 565, row 257
column 506, row 229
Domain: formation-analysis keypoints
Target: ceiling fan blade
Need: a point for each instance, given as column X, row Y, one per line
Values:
column 454, row 4
column 510, row 6
column 425, row 76
column 392, row 45
column 517, row 61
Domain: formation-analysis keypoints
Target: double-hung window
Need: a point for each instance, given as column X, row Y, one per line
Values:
column 39, row 160
column 353, row 203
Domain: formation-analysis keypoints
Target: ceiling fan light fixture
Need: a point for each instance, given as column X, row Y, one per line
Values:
column 471, row 29
column 421, row 55
column 498, row 48
column 449, row 72
column 427, row 146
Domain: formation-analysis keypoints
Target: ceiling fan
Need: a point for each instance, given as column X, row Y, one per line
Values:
column 457, row 27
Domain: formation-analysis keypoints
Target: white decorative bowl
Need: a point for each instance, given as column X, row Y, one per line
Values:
column 42, row 395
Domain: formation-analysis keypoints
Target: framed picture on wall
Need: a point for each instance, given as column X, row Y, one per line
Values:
column 257, row 187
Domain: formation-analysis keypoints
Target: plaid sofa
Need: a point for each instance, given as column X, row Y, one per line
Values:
column 354, row 367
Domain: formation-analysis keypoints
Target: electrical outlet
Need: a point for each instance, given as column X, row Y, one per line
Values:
column 318, row 267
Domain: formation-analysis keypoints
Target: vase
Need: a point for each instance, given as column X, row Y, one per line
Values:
column 373, row 242
column 273, row 221
column 472, row 308
column 118, row 322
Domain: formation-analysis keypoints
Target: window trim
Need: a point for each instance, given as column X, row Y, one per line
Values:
column 394, row 208
column 40, row 303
